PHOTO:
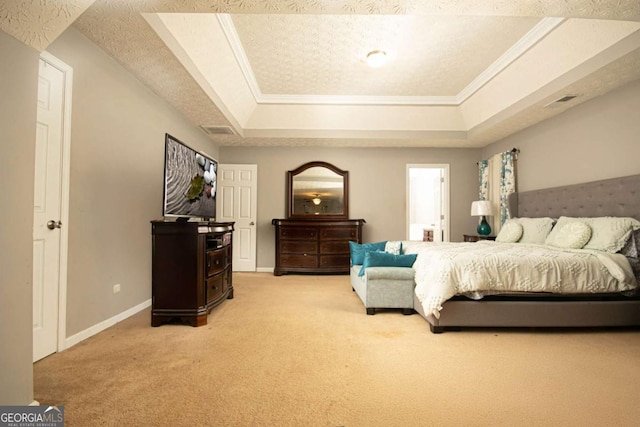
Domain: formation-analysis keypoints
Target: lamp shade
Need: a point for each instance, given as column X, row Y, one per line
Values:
column 481, row 208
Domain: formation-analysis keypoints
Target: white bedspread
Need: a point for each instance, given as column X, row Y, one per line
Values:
column 446, row 269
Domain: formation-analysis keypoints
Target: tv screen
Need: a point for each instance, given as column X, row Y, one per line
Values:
column 189, row 182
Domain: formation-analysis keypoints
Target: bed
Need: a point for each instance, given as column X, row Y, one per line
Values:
column 609, row 307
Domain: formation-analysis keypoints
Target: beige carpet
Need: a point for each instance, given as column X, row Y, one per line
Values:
column 300, row 351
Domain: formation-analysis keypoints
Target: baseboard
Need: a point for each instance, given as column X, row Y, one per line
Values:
column 265, row 269
column 89, row 332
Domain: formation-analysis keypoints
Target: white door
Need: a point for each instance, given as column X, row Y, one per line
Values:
column 237, row 201
column 50, row 205
column 428, row 202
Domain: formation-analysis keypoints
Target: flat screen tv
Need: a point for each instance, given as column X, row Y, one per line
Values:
column 189, row 182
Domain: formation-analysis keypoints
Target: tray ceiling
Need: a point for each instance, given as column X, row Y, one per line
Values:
column 460, row 73
column 323, row 54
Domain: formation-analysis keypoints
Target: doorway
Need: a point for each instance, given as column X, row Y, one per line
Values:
column 428, row 202
column 237, row 202
column 51, row 205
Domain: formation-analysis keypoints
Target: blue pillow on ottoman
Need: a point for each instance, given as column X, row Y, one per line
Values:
column 385, row 259
column 358, row 250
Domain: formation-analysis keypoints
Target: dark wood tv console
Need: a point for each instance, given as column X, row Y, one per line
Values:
column 191, row 270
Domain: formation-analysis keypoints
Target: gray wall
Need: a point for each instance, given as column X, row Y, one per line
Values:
column 598, row 139
column 117, row 155
column 18, row 90
column 117, row 152
column 595, row 140
column 377, row 188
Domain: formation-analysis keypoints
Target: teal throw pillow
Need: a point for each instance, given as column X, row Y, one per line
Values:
column 385, row 259
column 358, row 250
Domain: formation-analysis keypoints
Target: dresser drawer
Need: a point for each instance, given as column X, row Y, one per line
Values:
column 298, row 233
column 215, row 286
column 332, row 261
column 334, row 247
column 216, row 261
column 299, row 247
column 346, row 233
column 305, row 261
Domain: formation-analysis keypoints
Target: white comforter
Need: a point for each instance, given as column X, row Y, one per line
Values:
column 446, row 269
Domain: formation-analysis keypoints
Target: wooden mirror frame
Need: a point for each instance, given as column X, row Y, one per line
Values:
column 290, row 192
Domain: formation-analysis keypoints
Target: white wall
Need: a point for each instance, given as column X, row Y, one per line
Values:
column 598, row 139
column 18, row 86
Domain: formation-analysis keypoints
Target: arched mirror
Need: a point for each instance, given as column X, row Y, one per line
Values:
column 318, row 190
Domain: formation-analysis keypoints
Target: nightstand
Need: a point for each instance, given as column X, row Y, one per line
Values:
column 476, row 238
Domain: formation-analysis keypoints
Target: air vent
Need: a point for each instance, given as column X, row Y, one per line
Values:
column 566, row 98
column 218, row 130
column 562, row 100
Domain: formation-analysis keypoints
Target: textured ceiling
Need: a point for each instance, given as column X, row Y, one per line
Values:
column 313, row 47
column 37, row 23
column 323, row 54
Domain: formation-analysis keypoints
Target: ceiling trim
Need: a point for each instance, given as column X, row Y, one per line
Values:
column 229, row 30
column 537, row 33
column 357, row 100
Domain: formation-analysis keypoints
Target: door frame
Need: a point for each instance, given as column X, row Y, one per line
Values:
column 64, row 193
column 445, row 196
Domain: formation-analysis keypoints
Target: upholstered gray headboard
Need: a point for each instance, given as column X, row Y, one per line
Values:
column 609, row 197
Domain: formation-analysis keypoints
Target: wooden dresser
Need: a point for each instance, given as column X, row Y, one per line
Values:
column 191, row 270
column 315, row 246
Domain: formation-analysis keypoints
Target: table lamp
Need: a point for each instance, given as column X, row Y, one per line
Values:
column 482, row 208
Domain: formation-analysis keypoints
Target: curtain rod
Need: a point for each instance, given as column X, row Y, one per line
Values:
column 515, row 151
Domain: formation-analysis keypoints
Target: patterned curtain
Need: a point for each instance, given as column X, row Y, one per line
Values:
column 483, row 179
column 507, row 182
column 497, row 179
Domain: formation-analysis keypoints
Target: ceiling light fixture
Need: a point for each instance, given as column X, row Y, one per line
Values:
column 376, row 58
column 316, row 200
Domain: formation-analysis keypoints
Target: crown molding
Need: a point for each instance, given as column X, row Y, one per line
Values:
column 358, row 100
column 229, row 30
column 537, row 33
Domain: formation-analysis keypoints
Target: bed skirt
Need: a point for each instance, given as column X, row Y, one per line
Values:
column 518, row 312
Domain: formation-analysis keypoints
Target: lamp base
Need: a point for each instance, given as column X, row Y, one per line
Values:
column 484, row 229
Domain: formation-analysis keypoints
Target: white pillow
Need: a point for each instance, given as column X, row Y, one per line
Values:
column 393, row 247
column 534, row 230
column 572, row 235
column 608, row 234
column 510, row 232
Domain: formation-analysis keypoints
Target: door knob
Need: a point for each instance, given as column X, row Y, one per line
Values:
column 252, row 223
column 51, row 224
